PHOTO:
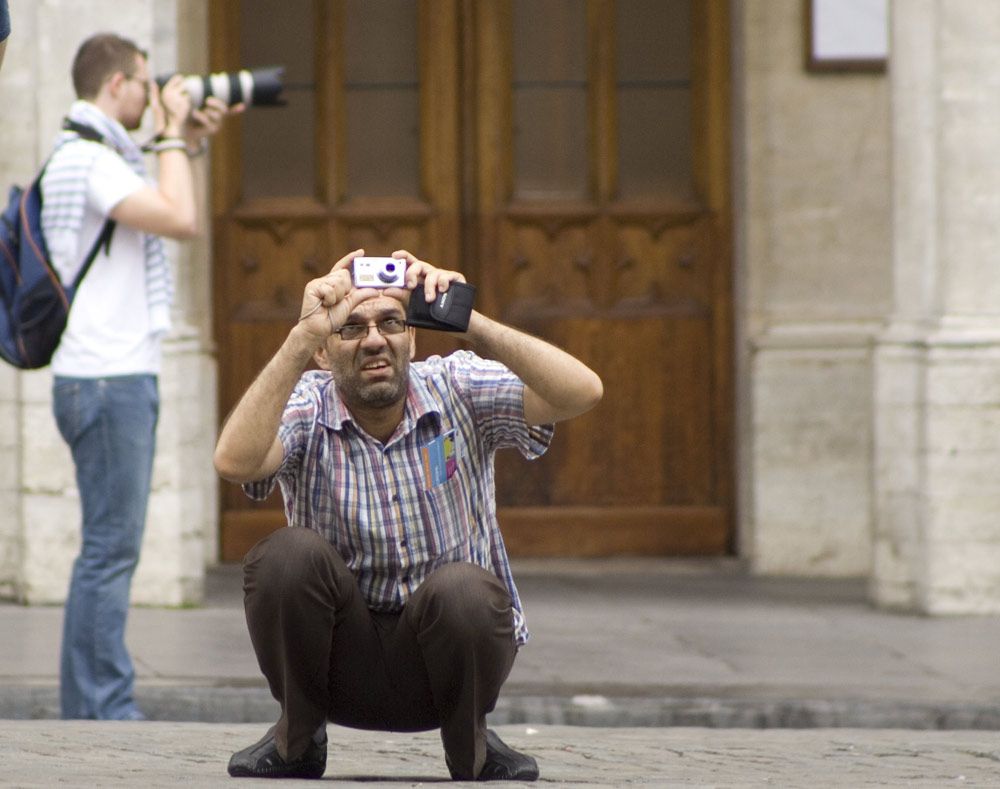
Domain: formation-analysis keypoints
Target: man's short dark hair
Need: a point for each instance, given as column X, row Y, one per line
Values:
column 98, row 58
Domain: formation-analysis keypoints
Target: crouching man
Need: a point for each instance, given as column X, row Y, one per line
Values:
column 389, row 605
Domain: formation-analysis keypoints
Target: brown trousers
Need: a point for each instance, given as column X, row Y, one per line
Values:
column 438, row 663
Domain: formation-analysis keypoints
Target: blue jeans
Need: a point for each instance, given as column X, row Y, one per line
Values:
column 110, row 426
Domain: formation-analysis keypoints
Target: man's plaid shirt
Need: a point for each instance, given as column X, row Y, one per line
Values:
column 372, row 500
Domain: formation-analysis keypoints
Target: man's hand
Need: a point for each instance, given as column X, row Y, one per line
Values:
column 329, row 300
column 436, row 280
column 171, row 106
column 203, row 123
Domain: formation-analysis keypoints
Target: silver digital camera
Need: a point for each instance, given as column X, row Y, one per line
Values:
column 379, row 273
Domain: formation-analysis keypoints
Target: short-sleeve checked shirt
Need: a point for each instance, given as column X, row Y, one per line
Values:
column 377, row 503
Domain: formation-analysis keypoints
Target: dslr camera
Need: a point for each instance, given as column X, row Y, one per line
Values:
column 379, row 273
column 259, row 87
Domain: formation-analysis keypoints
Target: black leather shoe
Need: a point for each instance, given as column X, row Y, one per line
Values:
column 261, row 760
column 503, row 763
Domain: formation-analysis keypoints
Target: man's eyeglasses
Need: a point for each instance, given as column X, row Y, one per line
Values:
column 357, row 331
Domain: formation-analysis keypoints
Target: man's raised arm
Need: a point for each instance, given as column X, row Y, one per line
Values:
column 248, row 447
column 557, row 385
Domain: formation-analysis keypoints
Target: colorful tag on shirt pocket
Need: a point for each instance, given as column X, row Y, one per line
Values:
column 440, row 460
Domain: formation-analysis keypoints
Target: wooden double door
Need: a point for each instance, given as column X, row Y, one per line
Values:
column 571, row 158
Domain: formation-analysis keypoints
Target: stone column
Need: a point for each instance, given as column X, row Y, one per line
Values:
column 937, row 371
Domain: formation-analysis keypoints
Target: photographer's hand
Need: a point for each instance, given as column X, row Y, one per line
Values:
column 435, row 280
column 171, row 106
column 203, row 123
column 329, row 300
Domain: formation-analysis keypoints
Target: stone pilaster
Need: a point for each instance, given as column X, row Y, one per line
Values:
column 813, row 272
column 811, row 451
column 937, row 394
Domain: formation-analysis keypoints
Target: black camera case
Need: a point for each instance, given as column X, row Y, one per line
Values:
column 450, row 311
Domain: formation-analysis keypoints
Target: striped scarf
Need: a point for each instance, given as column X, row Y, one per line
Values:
column 65, row 202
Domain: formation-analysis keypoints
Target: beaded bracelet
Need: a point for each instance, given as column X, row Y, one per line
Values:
column 168, row 144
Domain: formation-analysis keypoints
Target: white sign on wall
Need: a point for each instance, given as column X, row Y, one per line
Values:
column 845, row 35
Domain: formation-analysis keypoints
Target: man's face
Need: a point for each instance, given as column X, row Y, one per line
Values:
column 135, row 95
column 373, row 371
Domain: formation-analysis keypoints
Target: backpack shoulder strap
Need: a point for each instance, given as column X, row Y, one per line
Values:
column 104, row 239
column 86, row 132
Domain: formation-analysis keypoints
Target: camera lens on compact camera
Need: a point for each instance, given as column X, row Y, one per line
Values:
column 259, row 87
column 388, row 273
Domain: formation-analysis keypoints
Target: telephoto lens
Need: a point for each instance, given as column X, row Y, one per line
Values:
column 259, row 87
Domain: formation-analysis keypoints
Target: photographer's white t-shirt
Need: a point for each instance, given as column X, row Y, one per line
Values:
column 108, row 331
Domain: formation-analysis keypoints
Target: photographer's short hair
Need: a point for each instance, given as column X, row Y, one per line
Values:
column 98, row 58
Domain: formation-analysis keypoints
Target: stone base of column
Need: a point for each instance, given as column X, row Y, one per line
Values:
column 937, row 455
column 811, row 450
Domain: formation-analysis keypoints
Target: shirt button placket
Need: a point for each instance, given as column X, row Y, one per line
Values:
column 394, row 519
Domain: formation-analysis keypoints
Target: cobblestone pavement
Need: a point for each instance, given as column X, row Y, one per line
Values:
column 160, row 754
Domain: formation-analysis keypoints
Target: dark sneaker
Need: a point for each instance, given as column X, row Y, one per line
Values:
column 503, row 763
column 261, row 760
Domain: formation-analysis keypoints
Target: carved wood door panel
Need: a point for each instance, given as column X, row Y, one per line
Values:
column 570, row 156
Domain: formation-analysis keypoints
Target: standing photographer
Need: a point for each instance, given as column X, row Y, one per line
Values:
column 390, row 604
column 105, row 387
